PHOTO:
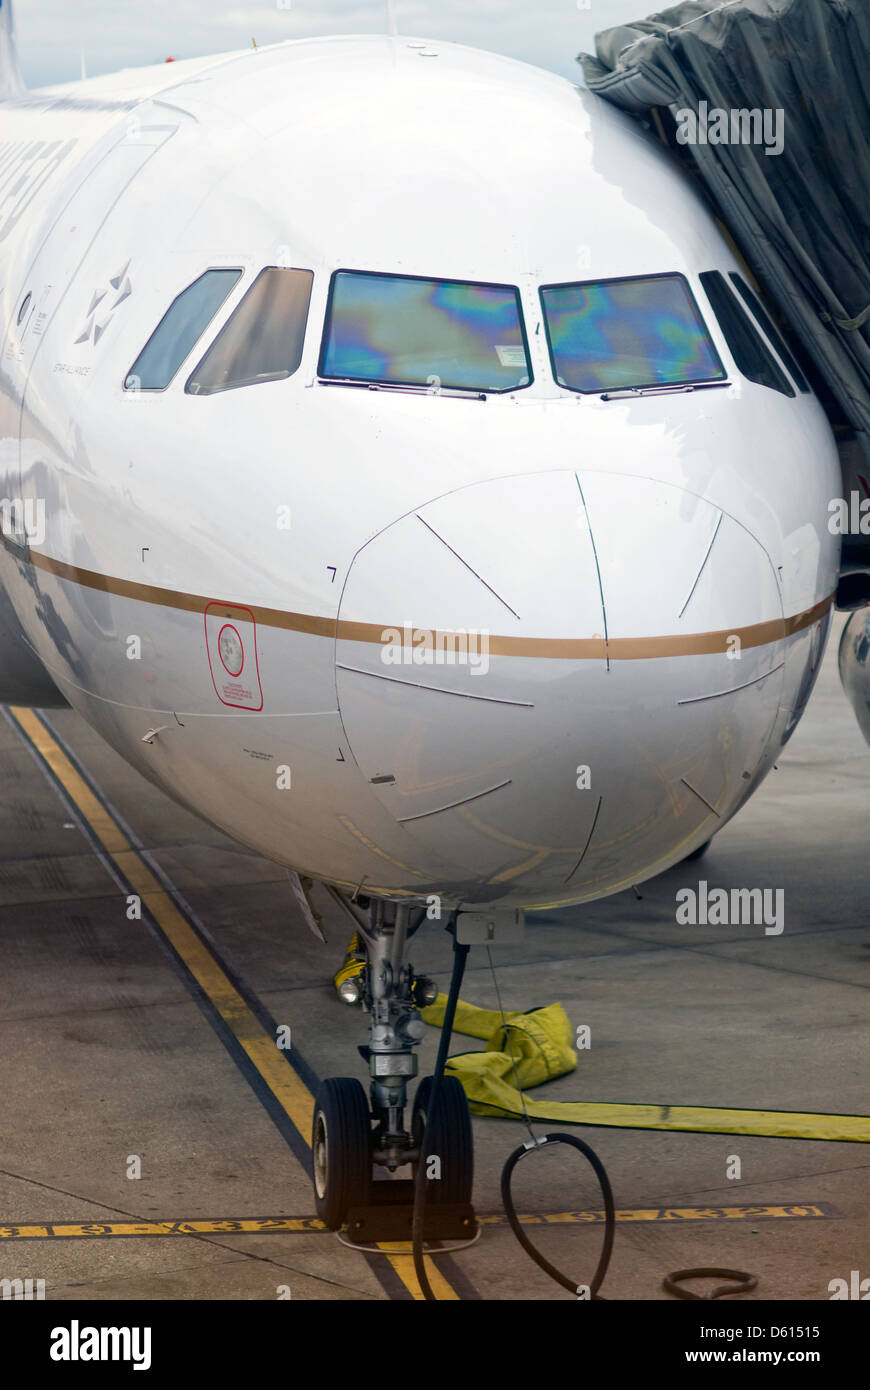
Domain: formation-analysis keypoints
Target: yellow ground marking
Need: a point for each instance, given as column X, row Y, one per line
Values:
column 399, row 1255
column 288, row 1088
column 260, row 1046
column 248, row 1226
column 801, row 1211
column 400, row 1250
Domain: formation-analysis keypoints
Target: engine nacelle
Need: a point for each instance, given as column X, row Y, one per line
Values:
column 855, row 666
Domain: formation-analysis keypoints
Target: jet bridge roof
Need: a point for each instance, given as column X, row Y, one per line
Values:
column 801, row 217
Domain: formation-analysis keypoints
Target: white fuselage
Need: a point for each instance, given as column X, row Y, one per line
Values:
column 652, row 575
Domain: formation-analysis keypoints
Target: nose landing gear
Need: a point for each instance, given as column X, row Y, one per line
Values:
column 353, row 1136
column 450, row 1141
column 341, row 1147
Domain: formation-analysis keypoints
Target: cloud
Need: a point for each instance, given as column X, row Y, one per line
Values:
column 304, row 18
column 127, row 33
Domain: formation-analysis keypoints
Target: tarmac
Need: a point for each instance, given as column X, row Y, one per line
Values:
column 155, row 1141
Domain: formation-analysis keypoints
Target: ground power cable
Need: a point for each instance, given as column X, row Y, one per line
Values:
column 740, row 1281
column 534, row 1145
column 460, row 955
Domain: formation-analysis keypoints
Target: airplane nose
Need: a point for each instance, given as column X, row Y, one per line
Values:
column 558, row 683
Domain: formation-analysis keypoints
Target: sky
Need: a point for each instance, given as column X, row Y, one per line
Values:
column 113, row 34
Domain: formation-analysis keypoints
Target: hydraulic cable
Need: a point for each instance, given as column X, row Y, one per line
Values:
column 460, row 955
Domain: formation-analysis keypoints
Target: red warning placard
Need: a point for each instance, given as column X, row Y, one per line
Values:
column 231, row 643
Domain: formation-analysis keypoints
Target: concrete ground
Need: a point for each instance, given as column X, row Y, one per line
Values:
column 107, row 1056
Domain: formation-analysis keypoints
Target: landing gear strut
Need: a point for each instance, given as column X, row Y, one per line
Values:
column 352, row 1135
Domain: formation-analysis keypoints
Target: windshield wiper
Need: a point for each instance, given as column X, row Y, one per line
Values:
column 627, row 392
column 465, row 392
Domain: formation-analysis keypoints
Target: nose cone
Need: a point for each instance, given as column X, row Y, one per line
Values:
column 558, row 683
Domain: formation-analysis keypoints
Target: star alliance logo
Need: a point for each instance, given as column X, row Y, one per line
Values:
column 104, row 301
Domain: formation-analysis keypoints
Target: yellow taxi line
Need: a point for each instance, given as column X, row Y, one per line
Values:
column 287, row 1087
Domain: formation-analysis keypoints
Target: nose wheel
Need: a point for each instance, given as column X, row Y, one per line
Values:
column 353, row 1134
column 449, row 1162
column 341, row 1149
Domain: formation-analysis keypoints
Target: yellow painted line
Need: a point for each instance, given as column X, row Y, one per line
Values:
column 288, row 1088
column 399, row 1251
column 798, row 1212
column 293, row 1095
column 70, row 1230
column 399, row 1255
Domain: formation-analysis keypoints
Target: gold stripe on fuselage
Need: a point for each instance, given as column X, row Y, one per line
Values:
column 551, row 648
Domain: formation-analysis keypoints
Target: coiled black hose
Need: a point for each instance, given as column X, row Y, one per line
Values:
column 609, row 1212
column 673, row 1283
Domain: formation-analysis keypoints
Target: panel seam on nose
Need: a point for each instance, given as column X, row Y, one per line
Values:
column 469, row 567
column 597, row 568
column 703, row 563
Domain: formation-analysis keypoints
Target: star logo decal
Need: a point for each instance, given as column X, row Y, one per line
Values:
column 104, row 301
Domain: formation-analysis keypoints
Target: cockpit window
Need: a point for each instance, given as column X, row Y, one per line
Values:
column 607, row 335
column 263, row 339
column 751, row 354
column 773, row 333
column 408, row 331
column 179, row 330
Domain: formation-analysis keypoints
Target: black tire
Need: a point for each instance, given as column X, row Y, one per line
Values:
column 699, row 852
column 450, row 1139
column 341, row 1149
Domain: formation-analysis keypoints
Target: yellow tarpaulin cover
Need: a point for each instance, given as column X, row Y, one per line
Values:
column 541, row 1042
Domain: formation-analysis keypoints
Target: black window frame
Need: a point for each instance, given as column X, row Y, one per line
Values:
column 742, row 321
column 649, row 386
column 427, row 279
column 756, row 305
column 158, row 390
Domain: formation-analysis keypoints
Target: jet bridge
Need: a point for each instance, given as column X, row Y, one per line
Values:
column 766, row 101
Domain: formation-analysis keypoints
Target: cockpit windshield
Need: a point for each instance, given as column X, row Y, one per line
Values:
column 607, row 335
column 263, row 340
column 404, row 330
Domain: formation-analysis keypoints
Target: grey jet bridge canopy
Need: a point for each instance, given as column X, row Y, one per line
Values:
column 792, row 188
